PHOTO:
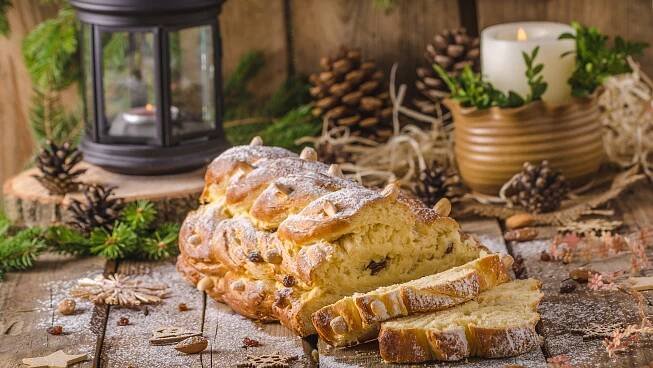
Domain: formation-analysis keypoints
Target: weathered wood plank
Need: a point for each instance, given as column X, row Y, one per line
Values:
column 248, row 25
column 564, row 314
column 320, row 27
column 129, row 345
column 632, row 19
column 28, row 303
column 367, row 355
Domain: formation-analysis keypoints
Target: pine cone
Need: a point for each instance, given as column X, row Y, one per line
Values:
column 452, row 50
column 98, row 209
column 537, row 188
column 352, row 93
column 331, row 153
column 438, row 182
column 57, row 164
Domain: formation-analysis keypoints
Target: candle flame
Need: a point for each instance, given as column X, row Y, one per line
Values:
column 149, row 107
column 521, row 34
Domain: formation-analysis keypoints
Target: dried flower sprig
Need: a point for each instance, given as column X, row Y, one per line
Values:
column 572, row 247
column 621, row 339
column 559, row 361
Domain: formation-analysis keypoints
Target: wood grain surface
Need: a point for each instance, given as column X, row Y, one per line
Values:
column 28, row 303
column 400, row 35
column 27, row 203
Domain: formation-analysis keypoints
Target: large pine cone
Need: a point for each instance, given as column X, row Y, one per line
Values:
column 352, row 93
column 537, row 188
column 452, row 50
column 100, row 209
column 57, row 166
column 437, row 182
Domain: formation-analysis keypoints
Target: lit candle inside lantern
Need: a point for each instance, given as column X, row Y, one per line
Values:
column 502, row 63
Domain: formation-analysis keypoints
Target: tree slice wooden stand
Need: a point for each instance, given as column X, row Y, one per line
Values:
column 28, row 203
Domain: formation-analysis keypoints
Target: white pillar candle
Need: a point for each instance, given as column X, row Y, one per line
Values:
column 502, row 63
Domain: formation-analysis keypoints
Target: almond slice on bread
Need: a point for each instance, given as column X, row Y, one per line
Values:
column 498, row 323
column 356, row 319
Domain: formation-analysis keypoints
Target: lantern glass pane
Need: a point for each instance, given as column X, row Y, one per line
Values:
column 128, row 61
column 192, row 83
column 87, row 75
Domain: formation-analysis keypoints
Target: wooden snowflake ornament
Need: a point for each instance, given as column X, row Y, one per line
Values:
column 58, row 359
column 120, row 290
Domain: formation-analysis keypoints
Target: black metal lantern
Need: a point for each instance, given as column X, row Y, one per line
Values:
column 152, row 84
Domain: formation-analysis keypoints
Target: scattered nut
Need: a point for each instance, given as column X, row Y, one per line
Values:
column 378, row 308
column 329, row 208
column 545, row 256
column 256, row 141
column 66, row 307
column 442, row 207
column 520, row 220
column 183, row 307
column 250, row 343
column 194, row 239
column 204, row 284
column 581, row 274
column 192, row 345
column 308, row 154
column 55, row 330
column 567, row 286
column 520, row 235
column 339, row 325
column 123, row 321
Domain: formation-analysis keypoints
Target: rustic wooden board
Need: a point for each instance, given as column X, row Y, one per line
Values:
column 129, row 346
column 320, row 27
column 28, row 302
column 632, row 19
column 249, row 25
column 27, row 203
column 564, row 314
column 367, row 355
column 16, row 141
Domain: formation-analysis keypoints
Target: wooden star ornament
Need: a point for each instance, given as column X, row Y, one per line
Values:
column 58, row 359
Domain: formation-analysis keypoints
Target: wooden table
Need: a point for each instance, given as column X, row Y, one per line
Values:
column 28, row 302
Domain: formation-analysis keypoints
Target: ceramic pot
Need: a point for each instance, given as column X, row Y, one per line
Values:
column 491, row 145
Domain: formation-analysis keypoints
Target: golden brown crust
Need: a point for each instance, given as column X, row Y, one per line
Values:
column 363, row 312
column 404, row 346
column 263, row 225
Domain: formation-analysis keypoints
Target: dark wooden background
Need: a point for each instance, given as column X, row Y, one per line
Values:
column 293, row 34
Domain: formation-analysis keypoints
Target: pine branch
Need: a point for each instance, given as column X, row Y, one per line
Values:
column 139, row 215
column 18, row 252
column 162, row 244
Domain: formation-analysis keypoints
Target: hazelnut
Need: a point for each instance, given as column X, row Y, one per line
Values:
column 123, row 321
column 66, row 307
column 183, row 307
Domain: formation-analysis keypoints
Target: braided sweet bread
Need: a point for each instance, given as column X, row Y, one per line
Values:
column 279, row 236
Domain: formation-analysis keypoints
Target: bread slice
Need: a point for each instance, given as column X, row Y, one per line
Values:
column 498, row 323
column 356, row 319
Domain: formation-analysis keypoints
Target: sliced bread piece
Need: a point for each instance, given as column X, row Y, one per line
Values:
column 356, row 319
column 498, row 323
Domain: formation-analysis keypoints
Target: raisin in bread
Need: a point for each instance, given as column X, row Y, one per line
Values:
column 279, row 236
column 498, row 323
column 356, row 319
